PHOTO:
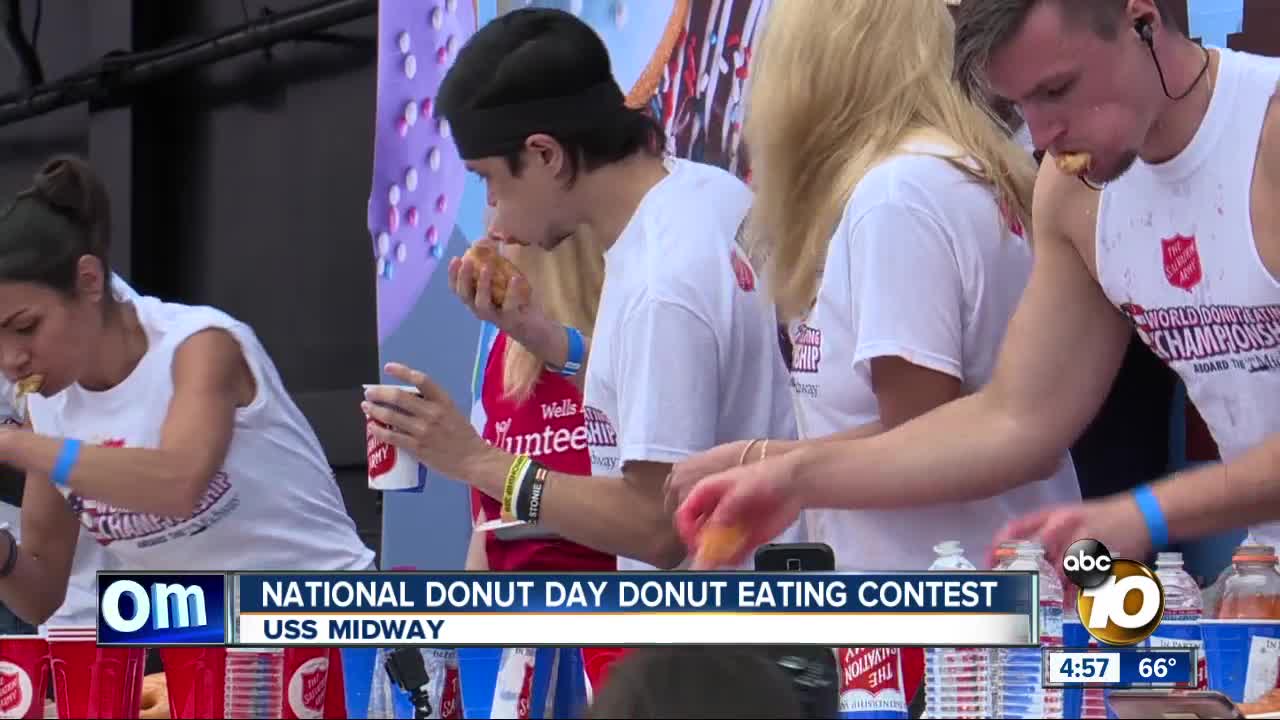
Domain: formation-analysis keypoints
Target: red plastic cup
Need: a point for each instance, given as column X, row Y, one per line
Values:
column 24, row 668
column 195, row 679
column 308, row 671
column 335, row 704
column 312, row 683
column 91, row 681
column 598, row 662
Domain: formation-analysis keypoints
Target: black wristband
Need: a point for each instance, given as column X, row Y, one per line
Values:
column 538, row 484
column 12, row 558
column 526, row 488
column 531, row 486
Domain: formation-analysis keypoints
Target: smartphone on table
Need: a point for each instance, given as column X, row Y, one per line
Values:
column 795, row 557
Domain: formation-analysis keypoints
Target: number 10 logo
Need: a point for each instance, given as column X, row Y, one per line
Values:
column 1121, row 602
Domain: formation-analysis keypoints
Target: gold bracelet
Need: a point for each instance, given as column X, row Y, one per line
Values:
column 745, row 451
column 764, row 450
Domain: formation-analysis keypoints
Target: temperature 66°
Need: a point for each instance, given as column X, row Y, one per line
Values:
column 1155, row 667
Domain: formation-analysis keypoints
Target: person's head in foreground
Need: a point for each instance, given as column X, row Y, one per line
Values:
column 535, row 111
column 697, row 682
column 56, row 304
column 878, row 76
column 1084, row 73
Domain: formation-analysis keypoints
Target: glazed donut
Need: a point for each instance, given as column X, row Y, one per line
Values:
column 718, row 544
column 30, row 384
column 502, row 269
column 1073, row 163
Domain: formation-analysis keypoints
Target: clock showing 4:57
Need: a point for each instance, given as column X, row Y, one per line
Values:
column 1072, row 668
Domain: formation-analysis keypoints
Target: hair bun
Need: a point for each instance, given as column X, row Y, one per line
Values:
column 68, row 184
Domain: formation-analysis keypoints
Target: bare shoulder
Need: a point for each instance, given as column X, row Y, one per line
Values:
column 1065, row 209
column 1264, row 215
column 212, row 360
column 1269, row 144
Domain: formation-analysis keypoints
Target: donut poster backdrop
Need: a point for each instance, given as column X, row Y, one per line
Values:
column 418, row 178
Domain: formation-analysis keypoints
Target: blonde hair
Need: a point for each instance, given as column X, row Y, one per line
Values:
column 566, row 281
column 837, row 86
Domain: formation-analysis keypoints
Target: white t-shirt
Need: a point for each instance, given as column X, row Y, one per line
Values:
column 685, row 354
column 922, row 266
column 274, row 504
column 80, row 608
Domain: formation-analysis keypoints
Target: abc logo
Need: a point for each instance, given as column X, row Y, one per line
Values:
column 1121, row 601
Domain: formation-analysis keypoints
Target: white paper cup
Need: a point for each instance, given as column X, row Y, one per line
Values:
column 391, row 468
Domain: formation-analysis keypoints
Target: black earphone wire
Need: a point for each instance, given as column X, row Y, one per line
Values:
column 1160, row 71
column 1144, row 32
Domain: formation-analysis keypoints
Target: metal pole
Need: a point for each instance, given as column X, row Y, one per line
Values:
column 123, row 72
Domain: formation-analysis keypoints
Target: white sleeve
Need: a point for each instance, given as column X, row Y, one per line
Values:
column 908, row 297
column 667, row 383
column 122, row 289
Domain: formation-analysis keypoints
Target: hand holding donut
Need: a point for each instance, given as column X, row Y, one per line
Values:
column 497, row 292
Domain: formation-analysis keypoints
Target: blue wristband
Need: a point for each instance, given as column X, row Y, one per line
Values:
column 1157, row 526
column 577, row 350
column 67, row 458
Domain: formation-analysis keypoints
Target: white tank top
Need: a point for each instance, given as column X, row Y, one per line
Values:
column 1177, row 254
column 274, row 505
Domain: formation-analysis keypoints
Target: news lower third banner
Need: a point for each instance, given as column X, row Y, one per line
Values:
column 587, row 609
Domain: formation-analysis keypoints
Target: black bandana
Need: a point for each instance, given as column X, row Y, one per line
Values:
column 499, row 130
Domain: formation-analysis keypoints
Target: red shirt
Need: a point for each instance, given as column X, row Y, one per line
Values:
column 547, row 427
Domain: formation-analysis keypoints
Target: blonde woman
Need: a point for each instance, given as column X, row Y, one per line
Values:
column 526, row 407
column 891, row 213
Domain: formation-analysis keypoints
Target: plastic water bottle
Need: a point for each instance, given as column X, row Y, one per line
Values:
column 382, row 695
column 956, row 680
column 1183, row 610
column 254, row 683
column 1021, row 694
column 1004, row 555
column 1182, row 601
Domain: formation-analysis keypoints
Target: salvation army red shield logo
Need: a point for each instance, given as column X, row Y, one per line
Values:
column 314, row 686
column 308, row 688
column 1181, row 261
column 15, row 691
column 871, row 682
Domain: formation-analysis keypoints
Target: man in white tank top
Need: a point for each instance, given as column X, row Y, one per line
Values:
column 1182, row 241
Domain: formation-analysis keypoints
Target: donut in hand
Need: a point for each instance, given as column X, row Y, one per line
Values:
column 718, row 544
column 501, row 270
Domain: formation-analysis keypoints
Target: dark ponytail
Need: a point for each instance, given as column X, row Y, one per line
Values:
column 63, row 216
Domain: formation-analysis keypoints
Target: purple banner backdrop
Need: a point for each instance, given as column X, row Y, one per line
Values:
column 418, row 178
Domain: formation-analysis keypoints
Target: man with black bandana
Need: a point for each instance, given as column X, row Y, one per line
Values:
column 685, row 355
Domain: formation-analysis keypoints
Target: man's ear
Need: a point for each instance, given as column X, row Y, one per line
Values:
column 548, row 153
